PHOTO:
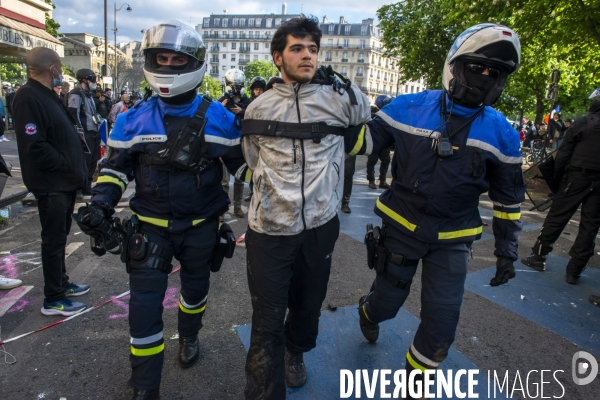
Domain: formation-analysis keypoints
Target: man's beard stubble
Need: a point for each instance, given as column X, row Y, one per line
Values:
column 296, row 78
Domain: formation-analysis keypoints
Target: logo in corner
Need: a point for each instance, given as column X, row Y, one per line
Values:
column 30, row 129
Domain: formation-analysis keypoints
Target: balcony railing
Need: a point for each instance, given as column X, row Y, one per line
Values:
column 328, row 59
column 214, row 49
column 351, row 46
column 359, row 74
column 214, row 73
column 244, row 50
column 244, row 62
column 214, row 60
column 344, row 60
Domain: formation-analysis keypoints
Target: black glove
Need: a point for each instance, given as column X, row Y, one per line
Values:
column 89, row 218
column 505, row 270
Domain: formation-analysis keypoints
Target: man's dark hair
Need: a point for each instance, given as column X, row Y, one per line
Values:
column 299, row 27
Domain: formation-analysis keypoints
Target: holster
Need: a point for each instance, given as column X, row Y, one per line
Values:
column 372, row 238
column 224, row 248
column 131, row 227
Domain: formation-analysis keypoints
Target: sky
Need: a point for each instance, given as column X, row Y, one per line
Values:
column 76, row 16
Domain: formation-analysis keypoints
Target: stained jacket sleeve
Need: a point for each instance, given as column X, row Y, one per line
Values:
column 36, row 146
column 115, row 175
column 507, row 191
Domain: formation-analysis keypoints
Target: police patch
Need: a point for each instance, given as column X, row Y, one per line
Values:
column 30, row 129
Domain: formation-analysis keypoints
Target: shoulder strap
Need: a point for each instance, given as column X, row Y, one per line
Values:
column 314, row 131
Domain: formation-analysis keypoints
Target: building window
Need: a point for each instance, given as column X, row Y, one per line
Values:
column 344, row 71
column 363, row 30
column 267, row 45
column 257, row 34
column 257, row 22
column 225, row 22
column 331, row 28
column 346, row 43
column 233, row 57
column 224, row 67
column 347, row 29
column 328, row 56
column 277, row 21
column 206, row 22
column 224, row 44
column 217, row 22
column 359, row 71
column 235, row 22
column 225, row 34
column 250, row 35
column 241, row 67
column 268, row 24
column 363, row 43
column 242, row 22
column 251, row 22
column 224, row 56
column 233, row 44
column 412, row 89
column 345, row 56
column 361, row 57
column 255, row 46
column 234, row 34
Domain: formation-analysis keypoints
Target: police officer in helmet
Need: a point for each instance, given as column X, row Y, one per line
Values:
column 451, row 146
column 178, row 197
column 257, row 86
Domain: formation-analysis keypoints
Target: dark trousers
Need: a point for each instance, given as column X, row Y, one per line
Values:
column 284, row 272
column 55, row 217
column 384, row 156
column 349, row 169
column 443, row 277
column 193, row 248
column 93, row 141
column 579, row 189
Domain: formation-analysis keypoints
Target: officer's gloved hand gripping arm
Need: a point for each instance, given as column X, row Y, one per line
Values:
column 507, row 191
column 368, row 138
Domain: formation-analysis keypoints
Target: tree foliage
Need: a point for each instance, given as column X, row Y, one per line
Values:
column 555, row 34
column 263, row 68
column 51, row 25
column 212, row 87
column 12, row 72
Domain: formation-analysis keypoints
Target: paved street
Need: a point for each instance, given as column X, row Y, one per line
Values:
column 536, row 322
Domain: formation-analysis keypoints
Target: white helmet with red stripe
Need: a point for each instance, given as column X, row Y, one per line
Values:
column 173, row 37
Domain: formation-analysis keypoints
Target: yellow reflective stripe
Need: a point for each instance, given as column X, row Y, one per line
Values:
column 359, row 142
column 147, row 352
column 197, row 221
column 395, row 216
column 415, row 364
column 111, row 179
column 505, row 215
column 188, row 311
column 154, row 221
column 248, row 177
column 364, row 308
column 461, row 233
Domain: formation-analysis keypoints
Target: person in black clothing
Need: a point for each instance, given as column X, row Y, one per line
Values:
column 83, row 109
column 556, row 131
column 65, row 88
column 577, row 175
column 102, row 105
column 53, row 168
column 383, row 155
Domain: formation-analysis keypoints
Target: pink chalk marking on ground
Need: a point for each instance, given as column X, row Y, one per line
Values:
column 12, row 300
column 8, row 264
column 171, row 301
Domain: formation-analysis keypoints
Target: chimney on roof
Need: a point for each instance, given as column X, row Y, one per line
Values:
column 325, row 20
column 368, row 21
column 342, row 20
column 284, row 9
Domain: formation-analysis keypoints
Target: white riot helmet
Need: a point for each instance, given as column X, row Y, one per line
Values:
column 595, row 94
column 235, row 79
column 491, row 45
column 170, row 80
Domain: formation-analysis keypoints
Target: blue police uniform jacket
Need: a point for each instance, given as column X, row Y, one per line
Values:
column 175, row 201
column 436, row 199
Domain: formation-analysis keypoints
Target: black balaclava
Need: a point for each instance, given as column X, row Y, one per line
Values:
column 180, row 99
column 478, row 86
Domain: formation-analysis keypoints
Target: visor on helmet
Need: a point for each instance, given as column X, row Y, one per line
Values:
column 174, row 36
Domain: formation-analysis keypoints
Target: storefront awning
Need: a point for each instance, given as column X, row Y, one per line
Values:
column 20, row 35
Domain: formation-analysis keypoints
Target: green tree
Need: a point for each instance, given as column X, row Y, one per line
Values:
column 212, row 87
column 51, row 25
column 263, row 68
column 12, row 72
column 553, row 35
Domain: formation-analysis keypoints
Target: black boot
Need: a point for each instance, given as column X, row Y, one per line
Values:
column 189, row 351
column 346, row 208
column 537, row 260
column 372, row 184
column 382, row 183
column 145, row 394
column 295, row 372
column 370, row 330
column 574, row 270
column 595, row 300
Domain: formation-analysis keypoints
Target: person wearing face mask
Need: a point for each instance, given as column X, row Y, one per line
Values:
column 451, row 146
column 82, row 107
column 53, row 168
column 170, row 145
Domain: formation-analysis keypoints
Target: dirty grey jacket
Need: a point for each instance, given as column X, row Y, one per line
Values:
column 298, row 183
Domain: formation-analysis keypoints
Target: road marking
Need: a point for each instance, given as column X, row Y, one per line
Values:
column 70, row 249
column 12, row 297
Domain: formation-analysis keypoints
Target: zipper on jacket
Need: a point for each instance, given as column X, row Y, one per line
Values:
column 415, row 186
column 294, row 148
column 303, row 157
